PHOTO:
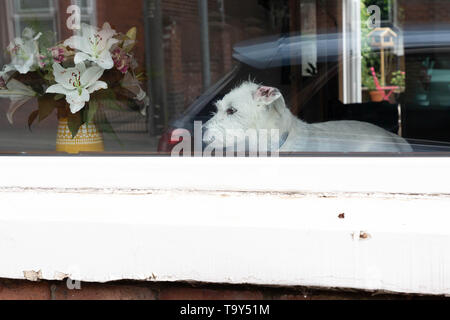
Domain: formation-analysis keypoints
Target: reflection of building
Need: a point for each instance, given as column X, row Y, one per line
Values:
column 172, row 54
column 416, row 12
column 427, row 94
column 44, row 14
column 230, row 21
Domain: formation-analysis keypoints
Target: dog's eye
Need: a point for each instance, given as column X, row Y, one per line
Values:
column 231, row 111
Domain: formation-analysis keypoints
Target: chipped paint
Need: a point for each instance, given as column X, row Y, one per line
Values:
column 224, row 193
column 364, row 235
column 33, row 275
column 190, row 239
column 60, row 276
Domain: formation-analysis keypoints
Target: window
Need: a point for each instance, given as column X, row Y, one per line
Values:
column 88, row 10
column 330, row 76
column 41, row 14
column 44, row 15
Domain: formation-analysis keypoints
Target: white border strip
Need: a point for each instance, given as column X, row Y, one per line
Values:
column 154, row 229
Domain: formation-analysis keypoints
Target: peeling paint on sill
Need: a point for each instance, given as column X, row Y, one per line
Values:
column 226, row 193
column 33, row 276
column 61, row 276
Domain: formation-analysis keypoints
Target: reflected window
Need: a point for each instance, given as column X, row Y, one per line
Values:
column 41, row 14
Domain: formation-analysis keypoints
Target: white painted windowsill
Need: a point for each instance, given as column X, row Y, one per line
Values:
column 258, row 221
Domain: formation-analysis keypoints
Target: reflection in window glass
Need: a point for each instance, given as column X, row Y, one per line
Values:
column 224, row 76
column 40, row 24
column 33, row 4
column 37, row 14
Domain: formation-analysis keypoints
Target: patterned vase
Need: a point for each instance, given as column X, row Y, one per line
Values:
column 88, row 139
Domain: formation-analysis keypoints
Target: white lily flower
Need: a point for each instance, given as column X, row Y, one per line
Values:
column 94, row 45
column 24, row 52
column 77, row 84
column 16, row 90
column 18, row 93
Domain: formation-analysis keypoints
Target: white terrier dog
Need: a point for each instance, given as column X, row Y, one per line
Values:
column 254, row 108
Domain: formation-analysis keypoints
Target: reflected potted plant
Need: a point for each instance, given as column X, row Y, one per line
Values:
column 398, row 79
column 77, row 78
column 369, row 83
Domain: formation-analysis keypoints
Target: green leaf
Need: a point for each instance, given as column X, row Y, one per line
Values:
column 75, row 121
column 104, row 126
column 46, row 106
column 107, row 98
column 132, row 33
column 58, row 97
column 129, row 47
column 32, row 118
column 92, row 110
column 49, row 77
column 47, row 39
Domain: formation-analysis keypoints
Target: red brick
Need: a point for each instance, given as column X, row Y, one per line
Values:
column 24, row 290
column 298, row 296
column 170, row 293
column 95, row 291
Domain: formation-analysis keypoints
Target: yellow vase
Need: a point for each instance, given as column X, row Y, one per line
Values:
column 88, row 139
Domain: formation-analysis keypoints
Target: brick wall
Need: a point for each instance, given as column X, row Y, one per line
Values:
column 182, row 40
column 239, row 20
column 183, row 47
column 124, row 15
column 175, row 83
column 126, row 290
column 64, row 32
column 412, row 12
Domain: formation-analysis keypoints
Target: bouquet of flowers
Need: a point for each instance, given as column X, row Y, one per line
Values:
column 78, row 77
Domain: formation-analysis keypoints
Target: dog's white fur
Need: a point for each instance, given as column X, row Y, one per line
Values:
column 251, row 106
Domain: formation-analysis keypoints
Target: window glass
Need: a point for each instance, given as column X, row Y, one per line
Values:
column 37, row 14
column 43, row 23
column 224, row 77
column 33, row 4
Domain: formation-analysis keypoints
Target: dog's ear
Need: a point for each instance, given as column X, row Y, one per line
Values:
column 266, row 95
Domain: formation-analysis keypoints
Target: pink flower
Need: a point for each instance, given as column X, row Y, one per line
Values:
column 58, row 54
column 122, row 60
column 41, row 61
